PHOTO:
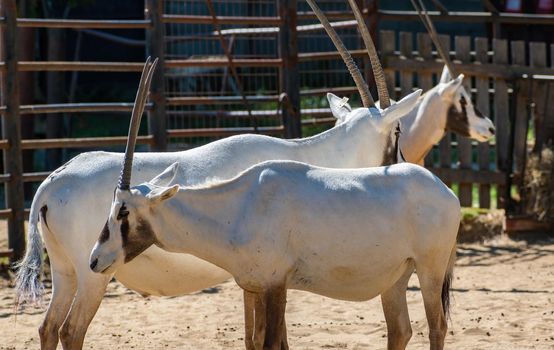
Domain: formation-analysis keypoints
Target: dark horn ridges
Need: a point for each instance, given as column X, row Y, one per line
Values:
column 378, row 73
column 424, row 16
column 367, row 99
column 138, row 109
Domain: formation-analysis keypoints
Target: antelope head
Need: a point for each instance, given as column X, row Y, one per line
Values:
column 463, row 117
column 127, row 233
column 384, row 118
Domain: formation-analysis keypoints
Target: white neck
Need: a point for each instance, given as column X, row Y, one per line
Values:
column 201, row 222
column 353, row 144
column 423, row 127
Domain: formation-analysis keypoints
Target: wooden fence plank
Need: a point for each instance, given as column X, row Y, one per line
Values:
column 501, row 115
column 483, row 105
column 518, row 49
column 445, row 144
column 537, row 58
column 388, row 45
column 463, row 48
column 406, row 77
column 425, row 80
column 549, row 108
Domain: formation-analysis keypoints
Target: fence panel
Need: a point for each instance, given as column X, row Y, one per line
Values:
column 483, row 104
column 223, row 76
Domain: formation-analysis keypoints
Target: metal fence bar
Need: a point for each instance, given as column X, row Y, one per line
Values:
column 82, row 23
column 75, row 108
column 82, row 142
column 503, row 71
column 230, row 62
column 469, row 17
column 195, row 19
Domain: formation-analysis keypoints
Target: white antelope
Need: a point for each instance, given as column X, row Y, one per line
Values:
column 349, row 234
column 71, row 204
column 445, row 107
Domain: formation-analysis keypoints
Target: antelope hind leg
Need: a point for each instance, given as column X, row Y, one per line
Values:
column 90, row 291
column 395, row 308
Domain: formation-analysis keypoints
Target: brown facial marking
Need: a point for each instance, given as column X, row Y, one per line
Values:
column 390, row 155
column 458, row 122
column 43, row 211
column 105, row 233
column 138, row 240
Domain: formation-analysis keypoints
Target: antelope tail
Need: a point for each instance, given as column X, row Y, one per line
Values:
column 28, row 284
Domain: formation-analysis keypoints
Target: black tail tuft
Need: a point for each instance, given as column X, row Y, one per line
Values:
column 446, row 294
column 447, row 283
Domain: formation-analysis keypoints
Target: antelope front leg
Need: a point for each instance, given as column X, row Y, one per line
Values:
column 276, row 301
column 254, row 320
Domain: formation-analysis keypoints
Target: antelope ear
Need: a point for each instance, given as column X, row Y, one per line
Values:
column 167, row 176
column 445, row 76
column 449, row 89
column 401, row 108
column 339, row 106
column 159, row 194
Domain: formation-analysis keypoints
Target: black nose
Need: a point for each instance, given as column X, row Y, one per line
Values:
column 491, row 129
column 93, row 264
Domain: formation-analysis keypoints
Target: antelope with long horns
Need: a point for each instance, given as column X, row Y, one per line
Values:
column 349, row 234
column 445, row 107
column 71, row 205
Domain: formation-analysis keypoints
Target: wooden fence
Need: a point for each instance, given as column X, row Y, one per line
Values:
column 503, row 83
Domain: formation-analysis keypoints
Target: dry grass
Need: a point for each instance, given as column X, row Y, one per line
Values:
column 539, row 185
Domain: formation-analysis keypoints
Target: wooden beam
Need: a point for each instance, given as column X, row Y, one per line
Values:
column 155, row 47
column 11, row 131
column 289, row 74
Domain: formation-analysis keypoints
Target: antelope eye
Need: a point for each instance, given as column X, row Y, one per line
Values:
column 123, row 212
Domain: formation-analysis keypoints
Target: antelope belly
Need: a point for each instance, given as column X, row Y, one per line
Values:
column 349, row 282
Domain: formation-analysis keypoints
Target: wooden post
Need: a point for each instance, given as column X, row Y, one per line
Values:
column 445, row 145
column 11, row 130
column 464, row 148
column 387, row 45
column 425, row 51
column 153, row 10
column 483, row 104
column 289, row 79
column 501, row 117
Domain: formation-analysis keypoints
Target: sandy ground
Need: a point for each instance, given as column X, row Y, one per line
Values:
column 503, row 299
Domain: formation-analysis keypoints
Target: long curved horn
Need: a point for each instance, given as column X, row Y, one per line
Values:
column 367, row 99
column 384, row 100
column 422, row 12
column 138, row 109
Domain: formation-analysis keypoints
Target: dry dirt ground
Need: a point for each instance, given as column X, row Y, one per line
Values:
column 503, row 299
